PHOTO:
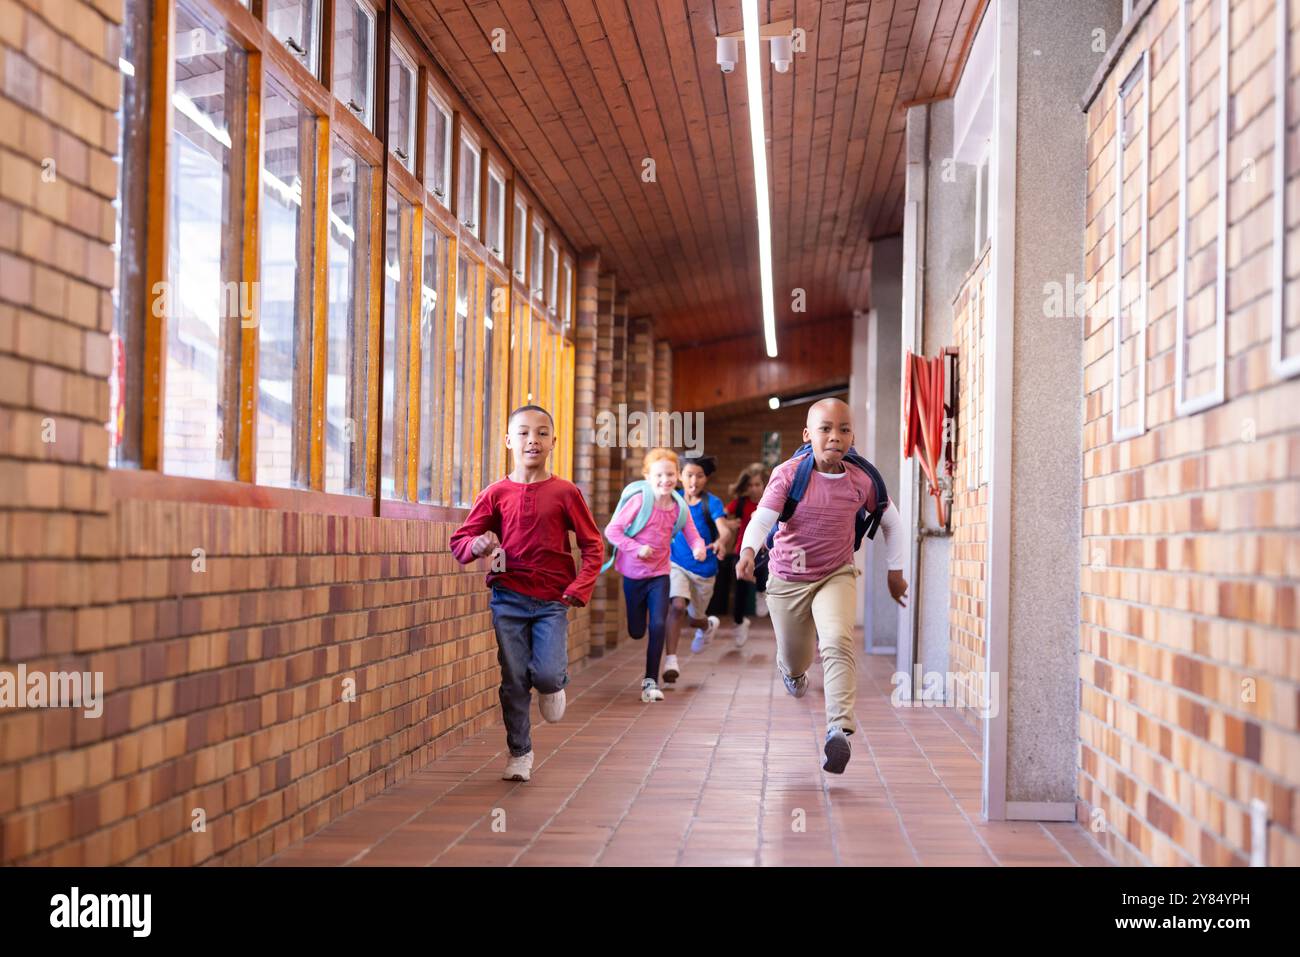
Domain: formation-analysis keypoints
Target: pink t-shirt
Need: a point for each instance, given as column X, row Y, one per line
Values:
column 819, row 536
column 658, row 534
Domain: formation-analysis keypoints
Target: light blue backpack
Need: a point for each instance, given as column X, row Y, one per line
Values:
column 642, row 518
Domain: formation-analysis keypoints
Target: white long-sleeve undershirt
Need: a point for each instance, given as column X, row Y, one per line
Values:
column 891, row 525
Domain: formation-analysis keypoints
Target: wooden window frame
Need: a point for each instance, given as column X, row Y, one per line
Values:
column 433, row 99
column 399, row 51
column 495, row 173
column 368, row 10
column 536, row 262
column 474, row 226
column 518, row 263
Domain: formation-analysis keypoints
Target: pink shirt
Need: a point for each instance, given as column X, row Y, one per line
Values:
column 658, row 534
column 819, row 536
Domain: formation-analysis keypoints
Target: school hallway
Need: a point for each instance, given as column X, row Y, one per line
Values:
column 725, row 771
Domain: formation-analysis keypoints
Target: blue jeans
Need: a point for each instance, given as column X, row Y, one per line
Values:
column 648, row 598
column 533, row 651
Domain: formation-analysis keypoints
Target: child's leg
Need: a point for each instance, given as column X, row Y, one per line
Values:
column 744, row 600
column 790, row 604
column 834, row 610
column 701, row 596
column 657, row 601
column 512, row 621
column 679, row 593
column 634, row 593
column 548, row 667
column 721, row 600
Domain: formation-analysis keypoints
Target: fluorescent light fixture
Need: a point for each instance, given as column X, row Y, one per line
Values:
column 754, row 81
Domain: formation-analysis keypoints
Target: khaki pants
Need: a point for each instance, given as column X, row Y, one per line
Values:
column 824, row 610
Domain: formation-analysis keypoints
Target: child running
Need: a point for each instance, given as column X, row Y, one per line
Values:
column 522, row 524
column 643, row 557
column 812, row 580
column 745, row 495
column 690, row 583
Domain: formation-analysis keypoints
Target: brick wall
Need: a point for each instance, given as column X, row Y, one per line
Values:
column 968, row 557
column 1187, row 660
column 223, row 687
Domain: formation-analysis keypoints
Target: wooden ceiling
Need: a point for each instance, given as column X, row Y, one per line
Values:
column 587, row 89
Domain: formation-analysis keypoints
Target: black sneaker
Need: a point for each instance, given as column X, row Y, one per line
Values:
column 837, row 751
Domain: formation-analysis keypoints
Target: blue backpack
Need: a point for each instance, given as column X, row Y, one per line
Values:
column 865, row 523
column 642, row 518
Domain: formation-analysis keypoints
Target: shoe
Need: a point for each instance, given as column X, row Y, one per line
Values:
column 837, row 751
column 705, row 635
column 760, row 605
column 650, row 691
column 671, row 671
column 741, row 634
column 518, row 768
column 552, row 705
column 797, row 687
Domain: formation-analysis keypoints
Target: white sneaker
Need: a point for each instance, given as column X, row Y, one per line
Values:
column 552, row 705
column 671, row 671
column 741, row 634
column 518, row 768
column 650, row 691
column 704, row 635
column 760, row 605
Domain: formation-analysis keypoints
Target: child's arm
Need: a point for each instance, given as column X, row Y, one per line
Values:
column 614, row 530
column 483, row 517
column 593, row 549
column 693, row 538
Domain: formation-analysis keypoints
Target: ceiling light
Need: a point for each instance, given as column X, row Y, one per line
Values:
column 758, row 141
column 728, row 53
column 781, row 54
column 774, row 403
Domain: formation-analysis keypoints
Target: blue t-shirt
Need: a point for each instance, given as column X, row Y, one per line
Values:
column 681, row 551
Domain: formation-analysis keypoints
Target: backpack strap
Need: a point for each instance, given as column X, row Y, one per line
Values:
column 639, row 521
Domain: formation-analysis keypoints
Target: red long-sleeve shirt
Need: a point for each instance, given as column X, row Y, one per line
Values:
column 533, row 521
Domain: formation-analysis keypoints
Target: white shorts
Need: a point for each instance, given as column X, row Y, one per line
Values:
column 696, row 589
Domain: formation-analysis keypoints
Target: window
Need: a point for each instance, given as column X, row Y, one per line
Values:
column 982, row 228
column 399, row 282
column 493, row 429
column 469, row 183
column 566, row 297
column 401, row 107
column 206, row 297
column 285, row 324
column 296, row 24
column 552, row 278
column 496, row 221
column 437, row 151
column 433, row 366
column 1129, row 292
column 348, row 347
column 535, row 257
column 1285, row 346
column 354, row 58
column 519, row 245
column 127, row 336
column 466, row 347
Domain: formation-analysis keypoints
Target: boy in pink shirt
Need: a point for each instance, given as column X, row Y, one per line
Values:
column 643, row 561
column 812, row 579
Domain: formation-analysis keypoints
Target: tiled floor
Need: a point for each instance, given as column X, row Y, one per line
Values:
column 725, row 770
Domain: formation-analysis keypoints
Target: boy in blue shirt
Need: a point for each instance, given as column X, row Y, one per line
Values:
column 690, row 584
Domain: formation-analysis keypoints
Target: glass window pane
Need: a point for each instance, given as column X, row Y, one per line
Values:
column 433, row 403
column 127, row 335
column 465, row 344
column 469, row 184
column 496, row 234
column 437, row 158
column 296, row 24
column 354, row 58
column 520, row 242
column 401, row 108
column 205, row 298
column 566, row 297
column 348, row 348
column 398, row 289
column 552, row 277
column 285, row 280
column 535, row 258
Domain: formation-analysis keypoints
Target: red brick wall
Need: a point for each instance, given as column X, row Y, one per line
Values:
column 968, row 561
column 1190, row 546
column 223, row 688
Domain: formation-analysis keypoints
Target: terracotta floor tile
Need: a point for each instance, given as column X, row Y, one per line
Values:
column 726, row 771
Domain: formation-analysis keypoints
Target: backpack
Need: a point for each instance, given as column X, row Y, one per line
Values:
column 642, row 518
column 865, row 523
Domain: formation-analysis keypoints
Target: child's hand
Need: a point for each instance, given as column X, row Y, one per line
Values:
column 645, row 551
column 898, row 587
column 745, row 565
column 718, row 549
column 485, row 544
column 699, row 552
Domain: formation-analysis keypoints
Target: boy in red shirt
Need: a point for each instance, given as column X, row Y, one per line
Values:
column 521, row 523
